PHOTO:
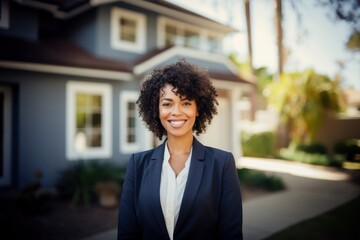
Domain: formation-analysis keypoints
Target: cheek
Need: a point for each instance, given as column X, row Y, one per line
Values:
column 163, row 113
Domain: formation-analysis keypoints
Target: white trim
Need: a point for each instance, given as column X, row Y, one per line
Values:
column 180, row 15
column 105, row 151
column 182, row 27
column 6, row 179
column 54, row 9
column 140, row 45
column 181, row 52
column 228, row 85
column 125, row 146
column 4, row 17
column 83, row 72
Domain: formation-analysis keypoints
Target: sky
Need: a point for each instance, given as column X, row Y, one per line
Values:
column 316, row 42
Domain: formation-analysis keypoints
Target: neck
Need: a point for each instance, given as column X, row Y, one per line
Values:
column 180, row 146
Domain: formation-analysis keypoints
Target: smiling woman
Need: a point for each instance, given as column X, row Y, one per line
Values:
column 180, row 189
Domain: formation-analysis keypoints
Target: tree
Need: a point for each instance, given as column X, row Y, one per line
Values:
column 249, row 34
column 279, row 35
column 302, row 99
column 347, row 11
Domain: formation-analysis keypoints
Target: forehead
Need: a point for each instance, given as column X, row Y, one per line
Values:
column 168, row 90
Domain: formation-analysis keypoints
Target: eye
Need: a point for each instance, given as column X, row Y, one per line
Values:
column 166, row 104
column 187, row 103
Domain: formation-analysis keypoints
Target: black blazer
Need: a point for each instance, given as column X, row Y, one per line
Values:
column 211, row 207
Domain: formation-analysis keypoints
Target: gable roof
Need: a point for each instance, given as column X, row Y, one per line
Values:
column 65, row 9
column 69, row 58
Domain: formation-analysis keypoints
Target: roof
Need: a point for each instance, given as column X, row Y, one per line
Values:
column 57, row 52
column 64, row 9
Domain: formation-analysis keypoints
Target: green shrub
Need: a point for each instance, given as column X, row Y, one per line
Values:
column 78, row 181
column 260, row 144
column 259, row 179
column 310, row 155
column 317, row 148
column 349, row 148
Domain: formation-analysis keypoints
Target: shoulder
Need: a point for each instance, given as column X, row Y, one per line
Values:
column 145, row 156
column 218, row 153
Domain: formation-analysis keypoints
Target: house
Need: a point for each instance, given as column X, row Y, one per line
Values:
column 70, row 73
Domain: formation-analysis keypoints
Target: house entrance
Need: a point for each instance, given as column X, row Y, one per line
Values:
column 5, row 135
column 218, row 133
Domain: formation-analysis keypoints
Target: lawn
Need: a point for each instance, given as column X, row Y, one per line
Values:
column 341, row 223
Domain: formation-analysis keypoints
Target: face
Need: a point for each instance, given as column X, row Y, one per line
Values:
column 177, row 115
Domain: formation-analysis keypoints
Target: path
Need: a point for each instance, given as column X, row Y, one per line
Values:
column 311, row 191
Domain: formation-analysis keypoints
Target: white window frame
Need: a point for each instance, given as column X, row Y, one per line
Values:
column 4, row 17
column 6, row 179
column 140, row 45
column 125, row 146
column 181, row 27
column 105, row 90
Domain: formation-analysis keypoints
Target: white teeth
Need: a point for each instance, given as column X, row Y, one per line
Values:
column 177, row 123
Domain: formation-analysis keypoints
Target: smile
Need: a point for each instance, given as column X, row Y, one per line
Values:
column 177, row 123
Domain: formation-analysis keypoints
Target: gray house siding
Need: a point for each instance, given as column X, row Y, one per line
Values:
column 103, row 33
column 83, row 30
column 40, row 133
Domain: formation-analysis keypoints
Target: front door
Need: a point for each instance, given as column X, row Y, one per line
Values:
column 218, row 133
column 5, row 136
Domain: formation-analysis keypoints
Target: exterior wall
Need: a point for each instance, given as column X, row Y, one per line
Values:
column 39, row 128
column 104, row 33
column 23, row 22
column 338, row 128
column 83, row 30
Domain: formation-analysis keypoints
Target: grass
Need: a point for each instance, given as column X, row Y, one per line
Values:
column 341, row 223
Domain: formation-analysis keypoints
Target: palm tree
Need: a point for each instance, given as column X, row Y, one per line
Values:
column 249, row 35
column 302, row 100
column 279, row 35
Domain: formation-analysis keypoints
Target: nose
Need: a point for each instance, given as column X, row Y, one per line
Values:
column 176, row 110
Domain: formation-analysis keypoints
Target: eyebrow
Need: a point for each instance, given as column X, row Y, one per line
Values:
column 170, row 99
column 167, row 99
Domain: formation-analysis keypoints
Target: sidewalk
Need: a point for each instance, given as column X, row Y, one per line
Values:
column 311, row 191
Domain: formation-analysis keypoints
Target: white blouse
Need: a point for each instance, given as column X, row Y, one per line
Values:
column 172, row 190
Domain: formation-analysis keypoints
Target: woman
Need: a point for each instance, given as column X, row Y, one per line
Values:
column 181, row 189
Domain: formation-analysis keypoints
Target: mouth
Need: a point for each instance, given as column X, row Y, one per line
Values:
column 177, row 123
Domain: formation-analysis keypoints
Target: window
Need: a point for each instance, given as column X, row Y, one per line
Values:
column 128, row 30
column 191, row 39
column 130, row 122
column 214, row 44
column 4, row 14
column 88, row 120
column 170, row 35
column 172, row 32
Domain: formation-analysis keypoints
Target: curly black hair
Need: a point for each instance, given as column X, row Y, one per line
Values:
column 190, row 81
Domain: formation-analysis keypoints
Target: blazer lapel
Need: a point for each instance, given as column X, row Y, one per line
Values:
column 193, row 182
column 154, row 181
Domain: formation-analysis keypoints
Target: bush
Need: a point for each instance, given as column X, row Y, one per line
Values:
column 349, row 148
column 260, row 180
column 258, row 144
column 78, row 181
column 317, row 148
column 314, row 153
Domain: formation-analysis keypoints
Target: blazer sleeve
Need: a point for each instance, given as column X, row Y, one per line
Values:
column 128, row 225
column 231, row 213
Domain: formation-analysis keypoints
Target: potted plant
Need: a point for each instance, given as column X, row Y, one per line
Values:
column 108, row 192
